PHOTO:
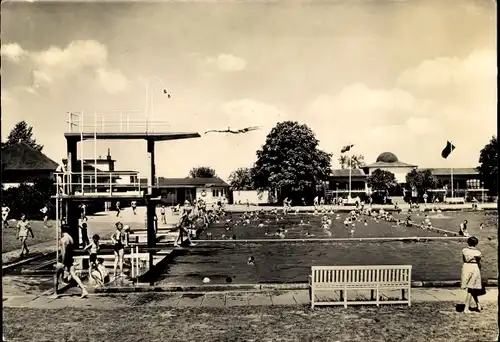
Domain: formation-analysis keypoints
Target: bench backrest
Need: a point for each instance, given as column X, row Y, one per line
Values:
column 361, row 274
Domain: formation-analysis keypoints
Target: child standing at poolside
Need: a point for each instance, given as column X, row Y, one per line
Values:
column 118, row 239
column 163, row 214
column 118, row 209
column 45, row 214
column 93, row 248
column 23, row 228
column 5, row 216
column 85, row 234
column 133, row 204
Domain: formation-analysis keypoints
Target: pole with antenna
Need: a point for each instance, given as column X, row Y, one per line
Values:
column 149, row 97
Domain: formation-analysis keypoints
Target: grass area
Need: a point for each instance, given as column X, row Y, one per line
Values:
column 423, row 322
column 42, row 234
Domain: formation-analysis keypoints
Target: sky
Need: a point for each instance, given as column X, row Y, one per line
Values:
column 398, row 76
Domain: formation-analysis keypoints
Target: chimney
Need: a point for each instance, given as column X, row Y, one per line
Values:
column 111, row 163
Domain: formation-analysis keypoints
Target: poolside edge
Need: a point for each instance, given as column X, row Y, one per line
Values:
column 255, row 287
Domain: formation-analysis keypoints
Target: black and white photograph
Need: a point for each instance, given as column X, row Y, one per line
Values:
column 249, row 171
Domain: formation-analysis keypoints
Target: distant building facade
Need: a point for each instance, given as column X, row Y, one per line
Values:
column 465, row 180
column 176, row 190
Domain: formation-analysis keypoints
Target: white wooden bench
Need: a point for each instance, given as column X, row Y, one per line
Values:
column 373, row 278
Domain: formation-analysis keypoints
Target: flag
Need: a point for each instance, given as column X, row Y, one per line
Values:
column 447, row 150
column 346, row 148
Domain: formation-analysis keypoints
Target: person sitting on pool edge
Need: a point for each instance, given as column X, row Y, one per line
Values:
column 100, row 274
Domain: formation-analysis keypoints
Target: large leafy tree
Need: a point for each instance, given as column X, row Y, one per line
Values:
column 202, row 172
column 356, row 161
column 488, row 165
column 241, row 179
column 22, row 132
column 382, row 181
column 421, row 180
column 290, row 160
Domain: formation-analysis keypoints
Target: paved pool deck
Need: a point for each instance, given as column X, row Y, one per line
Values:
column 213, row 299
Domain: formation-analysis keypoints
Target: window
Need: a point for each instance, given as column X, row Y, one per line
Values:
column 473, row 184
column 213, row 193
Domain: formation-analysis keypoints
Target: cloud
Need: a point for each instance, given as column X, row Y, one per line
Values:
column 80, row 61
column 12, row 52
column 437, row 100
column 113, row 81
column 225, row 63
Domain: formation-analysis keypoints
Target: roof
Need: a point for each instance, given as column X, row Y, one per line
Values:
column 345, row 173
column 459, row 171
column 380, row 164
column 187, row 182
column 387, row 157
column 154, row 136
column 21, row 156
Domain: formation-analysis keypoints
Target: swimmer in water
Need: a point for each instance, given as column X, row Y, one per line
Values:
column 251, row 261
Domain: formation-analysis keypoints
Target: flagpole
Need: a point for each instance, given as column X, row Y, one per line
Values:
column 451, row 168
column 350, row 174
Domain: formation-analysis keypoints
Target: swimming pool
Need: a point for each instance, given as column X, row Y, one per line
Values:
column 290, row 262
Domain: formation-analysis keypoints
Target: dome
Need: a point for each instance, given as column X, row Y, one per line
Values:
column 387, row 157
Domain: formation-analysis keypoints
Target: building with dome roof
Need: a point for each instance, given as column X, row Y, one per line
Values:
column 464, row 179
column 388, row 161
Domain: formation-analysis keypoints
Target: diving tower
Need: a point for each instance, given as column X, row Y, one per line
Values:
column 75, row 185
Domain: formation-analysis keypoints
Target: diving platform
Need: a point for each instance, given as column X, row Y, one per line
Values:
column 77, row 182
column 153, row 136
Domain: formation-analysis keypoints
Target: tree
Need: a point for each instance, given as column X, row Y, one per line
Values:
column 290, row 161
column 22, row 132
column 202, row 172
column 421, row 181
column 357, row 161
column 488, row 165
column 29, row 199
column 382, row 181
column 241, row 179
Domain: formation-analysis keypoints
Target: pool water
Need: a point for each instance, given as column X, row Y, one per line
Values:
column 303, row 226
column 290, row 262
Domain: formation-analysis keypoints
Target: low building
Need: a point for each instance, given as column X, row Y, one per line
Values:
column 99, row 175
column 176, row 190
column 250, row 196
column 21, row 163
column 465, row 180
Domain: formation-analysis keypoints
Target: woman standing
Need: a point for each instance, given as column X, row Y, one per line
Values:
column 118, row 239
column 471, row 273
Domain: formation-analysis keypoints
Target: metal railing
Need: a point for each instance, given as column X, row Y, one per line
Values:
column 110, row 183
column 113, row 121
